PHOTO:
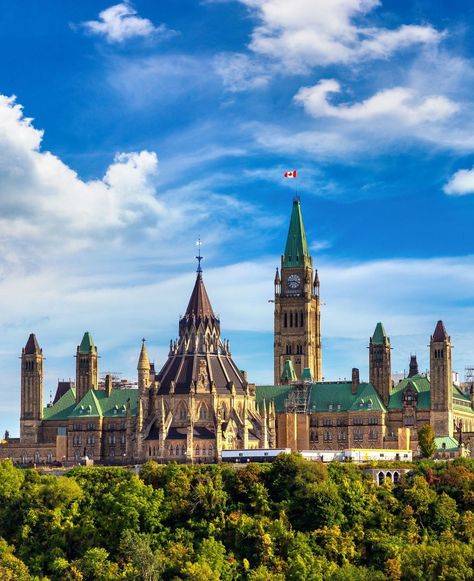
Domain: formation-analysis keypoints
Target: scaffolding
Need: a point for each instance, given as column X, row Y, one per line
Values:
column 297, row 401
column 469, row 374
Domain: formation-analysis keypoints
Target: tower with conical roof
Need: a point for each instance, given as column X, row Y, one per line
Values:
column 87, row 372
column 441, row 381
column 143, row 368
column 380, row 363
column 31, row 390
column 297, row 322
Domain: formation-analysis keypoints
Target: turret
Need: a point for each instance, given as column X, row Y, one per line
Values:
column 31, row 390
column 277, row 282
column 441, row 381
column 380, row 365
column 143, row 368
column 87, row 372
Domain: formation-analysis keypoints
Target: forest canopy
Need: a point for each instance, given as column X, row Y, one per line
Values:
column 291, row 519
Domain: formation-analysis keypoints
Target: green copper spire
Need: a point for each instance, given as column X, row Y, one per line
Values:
column 87, row 343
column 379, row 335
column 296, row 250
column 289, row 373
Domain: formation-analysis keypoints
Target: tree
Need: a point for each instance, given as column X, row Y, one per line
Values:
column 426, row 441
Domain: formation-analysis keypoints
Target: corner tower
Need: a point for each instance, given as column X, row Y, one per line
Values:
column 31, row 390
column 441, row 380
column 297, row 326
column 380, row 363
column 87, row 372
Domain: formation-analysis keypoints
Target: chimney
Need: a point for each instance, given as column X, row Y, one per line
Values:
column 108, row 385
column 355, row 380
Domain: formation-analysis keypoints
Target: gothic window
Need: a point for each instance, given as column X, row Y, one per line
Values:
column 358, row 435
column 209, row 450
column 313, row 436
column 291, row 319
column 177, row 450
column 37, row 457
column 299, row 350
column 342, row 436
column 197, row 450
column 122, row 439
column 149, row 450
column 327, row 436
column 50, row 457
column 313, row 422
column 301, row 318
column 357, row 421
column 408, row 421
column 183, row 450
column 285, row 320
column 373, row 421
column 327, row 422
column 171, row 451
column 373, row 434
column 288, row 349
column 203, row 412
column 182, row 411
column 91, row 426
column 341, row 422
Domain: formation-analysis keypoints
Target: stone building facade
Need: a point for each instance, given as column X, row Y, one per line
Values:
column 197, row 405
column 323, row 415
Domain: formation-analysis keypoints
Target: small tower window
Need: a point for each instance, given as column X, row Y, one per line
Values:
column 285, row 320
column 288, row 349
column 301, row 318
column 291, row 319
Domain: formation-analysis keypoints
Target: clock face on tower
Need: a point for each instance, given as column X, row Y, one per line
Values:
column 293, row 281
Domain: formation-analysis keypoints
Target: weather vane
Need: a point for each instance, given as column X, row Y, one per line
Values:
column 199, row 257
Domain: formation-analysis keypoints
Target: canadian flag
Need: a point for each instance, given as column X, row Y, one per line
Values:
column 290, row 174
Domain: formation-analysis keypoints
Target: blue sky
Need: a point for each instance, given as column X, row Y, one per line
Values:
column 129, row 129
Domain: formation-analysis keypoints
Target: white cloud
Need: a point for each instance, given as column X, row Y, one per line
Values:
column 120, row 22
column 460, row 183
column 401, row 103
column 307, row 33
column 239, row 72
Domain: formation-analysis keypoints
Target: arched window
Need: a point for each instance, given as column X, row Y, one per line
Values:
column 285, row 320
column 301, row 318
column 296, row 319
column 182, row 411
column 149, row 450
column 203, row 412
column 210, row 450
column 389, row 476
column 183, row 450
column 197, row 450
column 291, row 319
column 381, row 477
column 396, row 477
column 171, row 450
column 177, row 450
column 288, row 349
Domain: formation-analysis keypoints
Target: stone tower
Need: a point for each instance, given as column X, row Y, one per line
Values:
column 87, row 372
column 441, row 380
column 297, row 325
column 143, row 369
column 31, row 390
column 380, row 365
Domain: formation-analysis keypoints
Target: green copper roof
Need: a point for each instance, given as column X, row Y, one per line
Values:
column 307, row 375
column 288, row 373
column 379, row 335
column 450, row 444
column 62, row 409
column 296, row 250
column 421, row 386
column 331, row 396
column 276, row 393
column 87, row 343
column 95, row 403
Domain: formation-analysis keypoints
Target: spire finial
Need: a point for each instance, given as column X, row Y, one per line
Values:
column 199, row 257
